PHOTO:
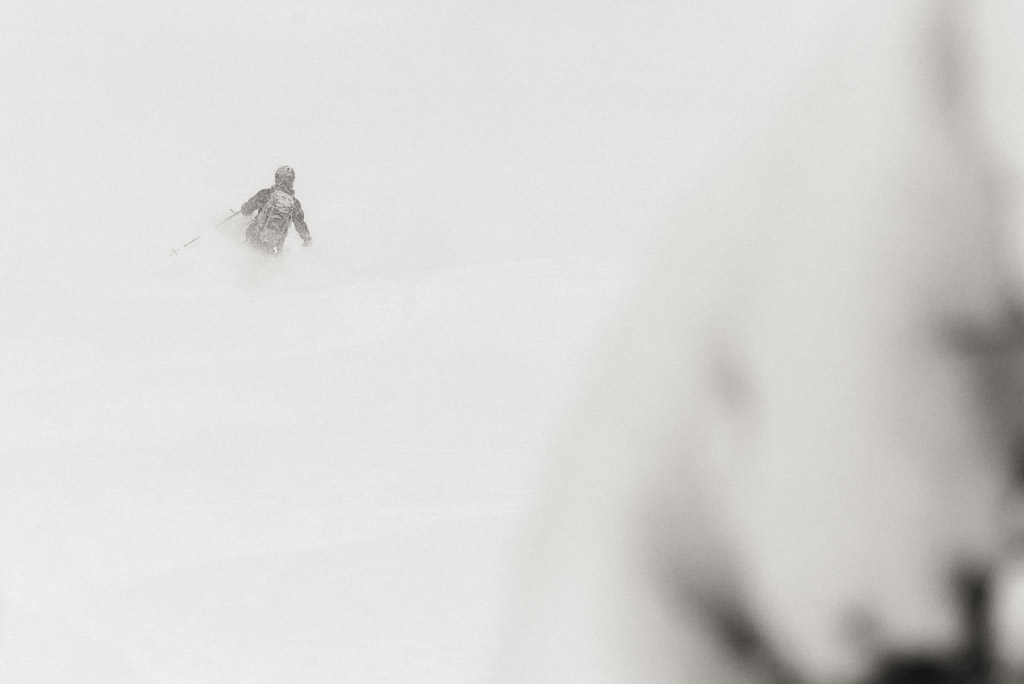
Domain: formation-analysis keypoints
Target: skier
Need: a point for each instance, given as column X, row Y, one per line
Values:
column 276, row 208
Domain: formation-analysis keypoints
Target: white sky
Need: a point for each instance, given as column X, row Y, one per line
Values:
column 422, row 133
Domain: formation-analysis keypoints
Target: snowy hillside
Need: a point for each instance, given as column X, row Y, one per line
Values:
column 219, row 468
column 224, row 468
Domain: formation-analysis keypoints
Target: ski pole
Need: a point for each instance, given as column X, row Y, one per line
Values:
column 234, row 213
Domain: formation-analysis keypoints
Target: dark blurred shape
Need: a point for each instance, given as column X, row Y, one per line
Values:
column 975, row 664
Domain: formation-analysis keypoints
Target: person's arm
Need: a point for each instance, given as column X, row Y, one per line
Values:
column 299, row 218
column 256, row 202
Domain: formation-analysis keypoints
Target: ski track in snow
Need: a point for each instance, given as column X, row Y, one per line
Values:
column 223, row 468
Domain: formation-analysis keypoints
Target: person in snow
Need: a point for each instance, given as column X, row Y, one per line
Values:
column 275, row 208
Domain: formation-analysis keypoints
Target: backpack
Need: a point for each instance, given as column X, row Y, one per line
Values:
column 274, row 217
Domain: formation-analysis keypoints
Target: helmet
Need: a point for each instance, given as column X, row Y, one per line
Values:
column 285, row 175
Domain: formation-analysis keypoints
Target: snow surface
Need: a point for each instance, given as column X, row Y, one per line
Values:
column 224, row 467
column 217, row 468
column 221, row 468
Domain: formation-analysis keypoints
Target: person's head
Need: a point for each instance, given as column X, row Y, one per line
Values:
column 284, row 176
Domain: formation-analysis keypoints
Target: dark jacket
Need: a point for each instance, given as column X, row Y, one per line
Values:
column 257, row 201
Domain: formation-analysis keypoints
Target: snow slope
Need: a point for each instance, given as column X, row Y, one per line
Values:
column 216, row 468
column 221, row 467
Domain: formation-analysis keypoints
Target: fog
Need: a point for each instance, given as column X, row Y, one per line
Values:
column 222, row 468
column 422, row 134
